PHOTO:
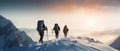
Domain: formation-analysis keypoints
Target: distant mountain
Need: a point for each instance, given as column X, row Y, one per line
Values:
column 28, row 30
column 113, row 31
column 10, row 36
column 116, row 43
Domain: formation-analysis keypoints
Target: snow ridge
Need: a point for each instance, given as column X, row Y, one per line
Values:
column 65, row 44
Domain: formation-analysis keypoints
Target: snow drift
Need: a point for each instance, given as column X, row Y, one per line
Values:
column 116, row 43
column 10, row 36
column 65, row 44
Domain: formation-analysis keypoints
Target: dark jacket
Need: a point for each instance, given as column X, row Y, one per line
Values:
column 65, row 30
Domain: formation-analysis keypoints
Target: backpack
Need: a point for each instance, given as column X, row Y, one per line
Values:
column 40, row 26
column 56, row 28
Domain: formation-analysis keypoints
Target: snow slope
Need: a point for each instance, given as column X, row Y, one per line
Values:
column 116, row 43
column 65, row 44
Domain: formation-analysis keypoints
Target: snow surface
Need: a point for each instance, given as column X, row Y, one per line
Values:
column 65, row 44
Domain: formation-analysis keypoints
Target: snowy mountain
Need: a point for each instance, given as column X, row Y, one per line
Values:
column 10, row 36
column 11, row 39
column 115, row 43
column 65, row 44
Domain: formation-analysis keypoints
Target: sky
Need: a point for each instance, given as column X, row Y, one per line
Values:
column 79, row 15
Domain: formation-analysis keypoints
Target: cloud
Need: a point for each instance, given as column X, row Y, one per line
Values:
column 64, row 5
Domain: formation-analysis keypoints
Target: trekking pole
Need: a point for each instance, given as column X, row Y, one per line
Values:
column 60, row 33
column 47, row 34
column 52, row 32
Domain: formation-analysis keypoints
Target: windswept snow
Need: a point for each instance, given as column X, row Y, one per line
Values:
column 66, row 44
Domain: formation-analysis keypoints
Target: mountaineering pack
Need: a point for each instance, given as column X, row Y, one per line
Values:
column 40, row 25
column 56, row 28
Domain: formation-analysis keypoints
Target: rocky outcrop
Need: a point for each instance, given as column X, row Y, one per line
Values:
column 10, row 36
column 116, row 43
